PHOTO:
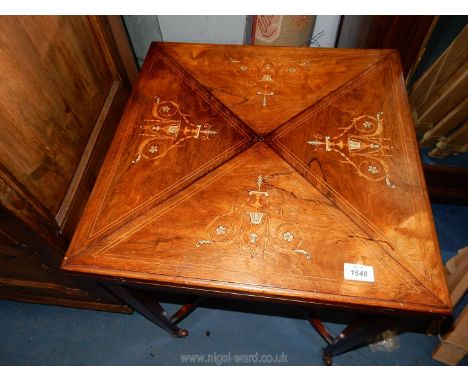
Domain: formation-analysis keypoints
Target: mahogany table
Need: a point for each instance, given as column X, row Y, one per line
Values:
column 281, row 174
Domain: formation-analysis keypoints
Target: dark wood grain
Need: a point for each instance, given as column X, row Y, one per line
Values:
column 333, row 179
column 405, row 33
column 447, row 184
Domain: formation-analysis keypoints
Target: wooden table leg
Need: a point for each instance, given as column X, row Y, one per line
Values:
column 357, row 333
column 185, row 310
column 145, row 304
column 319, row 327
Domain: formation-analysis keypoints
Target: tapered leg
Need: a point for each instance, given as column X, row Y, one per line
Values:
column 185, row 310
column 357, row 333
column 319, row 327
column 145, row 303
column 362, row 329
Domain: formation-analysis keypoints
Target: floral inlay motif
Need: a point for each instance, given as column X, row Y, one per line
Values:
column 168, row 129
column 288, row 236
column 266, row 74
column 256, row 226
column 221, row 230
column 362, row 146
column 372, row 169
column 153, row 149
column 367, row 125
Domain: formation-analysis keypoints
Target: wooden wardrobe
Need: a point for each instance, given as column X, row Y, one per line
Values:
column 64, row 83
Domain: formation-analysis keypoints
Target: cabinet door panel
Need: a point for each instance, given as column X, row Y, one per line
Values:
column 62, row 91
column 38, row 145
column 70, row 51
column 56, row 83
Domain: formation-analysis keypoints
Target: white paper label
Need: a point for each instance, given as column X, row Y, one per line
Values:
column 358, row 272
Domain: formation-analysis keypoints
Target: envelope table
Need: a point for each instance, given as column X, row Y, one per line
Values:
column 289, row 175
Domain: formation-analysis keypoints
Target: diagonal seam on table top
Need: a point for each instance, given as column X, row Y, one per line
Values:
column 137, row 224
column 197, row 72
column 141, row 220
column 249, row 138
column 196, row 84
column 201, row 86
column 273, row 139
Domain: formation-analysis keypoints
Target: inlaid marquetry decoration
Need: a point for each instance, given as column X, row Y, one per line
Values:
column 265, row 75
column 258, row 172
column 168, row 130
column 255, row 226
column 362, row 146
column 265, row 89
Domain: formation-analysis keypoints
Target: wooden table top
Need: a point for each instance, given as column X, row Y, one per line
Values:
column 262, row 172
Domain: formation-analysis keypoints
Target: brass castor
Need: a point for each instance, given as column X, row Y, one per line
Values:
column 327, row 359
column 183, row 333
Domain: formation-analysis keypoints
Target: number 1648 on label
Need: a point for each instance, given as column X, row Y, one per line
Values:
column 358, row 272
